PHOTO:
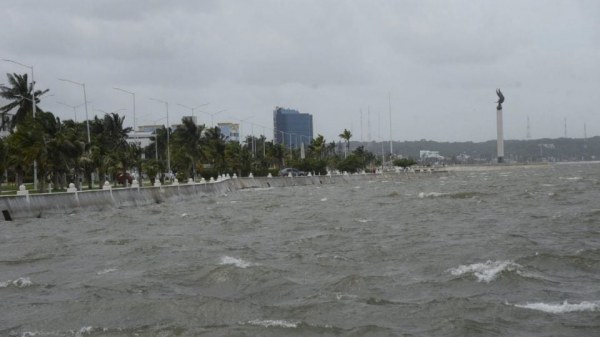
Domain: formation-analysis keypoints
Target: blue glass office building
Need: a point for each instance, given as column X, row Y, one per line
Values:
column 292, row 127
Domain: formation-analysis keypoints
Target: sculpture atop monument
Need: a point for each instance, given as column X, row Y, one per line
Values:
column 500, row 99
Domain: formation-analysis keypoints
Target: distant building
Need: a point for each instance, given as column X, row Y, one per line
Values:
column 430, row 157
column 463, row 158
column 144, row 135
column 292, row 128
column 231, row 131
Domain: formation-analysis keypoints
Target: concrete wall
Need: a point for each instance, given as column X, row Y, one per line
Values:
column 43, row 205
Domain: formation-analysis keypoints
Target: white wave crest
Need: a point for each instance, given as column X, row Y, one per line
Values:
column 255, row 189
column 485, row 272
column 84, row 331
column 106, row 271
column 430, row 195
column 29, row 334
column 340, row 296
column 559, row 308
column 21, row 282
column 235, row 261
column 571, row 178
column 273, row 323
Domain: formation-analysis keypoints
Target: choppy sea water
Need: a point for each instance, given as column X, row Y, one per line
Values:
column 504, row 252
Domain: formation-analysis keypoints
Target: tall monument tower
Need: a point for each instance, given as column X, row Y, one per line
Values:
column 499, row 128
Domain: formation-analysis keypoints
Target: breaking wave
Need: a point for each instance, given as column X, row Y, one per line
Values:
column 21, row 282
column 106, row 271
column 456, row 195
column 560, row 308
column 228, row 260
column 485, row 272
column 273, row 323
column 423, row 195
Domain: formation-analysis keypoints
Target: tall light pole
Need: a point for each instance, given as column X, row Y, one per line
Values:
column 156, row 139
column 87, row 120
column 168, row 131
column 242, row 123
column 212, row 115
column 74, row 107
column 133, row 97
column 242, row 128
column 194, row 108
column 35, row 180
column 114, row 111
column 135, row 132
column 390, row 109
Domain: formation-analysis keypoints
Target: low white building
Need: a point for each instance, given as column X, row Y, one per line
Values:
column 428, row 155
column 141, row 138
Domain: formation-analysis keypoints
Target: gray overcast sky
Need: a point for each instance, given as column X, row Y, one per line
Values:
column 440, row 60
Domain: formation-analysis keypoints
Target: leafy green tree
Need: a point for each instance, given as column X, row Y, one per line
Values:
column 4, row 162
column 351, row 163
column 358, row 160
column 26, row 145
column 404, row 162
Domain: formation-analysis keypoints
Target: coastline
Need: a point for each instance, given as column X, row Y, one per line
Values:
column 47, row 204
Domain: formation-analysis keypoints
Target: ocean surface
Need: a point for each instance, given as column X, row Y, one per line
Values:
column 497, row 251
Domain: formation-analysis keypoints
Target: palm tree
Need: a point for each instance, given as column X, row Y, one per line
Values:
column 109, row 150
column 187, row 142
column 214, row 151
column 346, row 135
column 66, row 150
column 26, row 145
column 317, row 146
column 19, row 95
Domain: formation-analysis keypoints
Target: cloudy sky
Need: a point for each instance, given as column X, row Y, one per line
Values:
column 437, row 62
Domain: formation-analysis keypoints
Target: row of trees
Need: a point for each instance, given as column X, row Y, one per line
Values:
column 63, row 153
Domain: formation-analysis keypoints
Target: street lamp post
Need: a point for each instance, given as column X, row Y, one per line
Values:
column 33, row 107
column 194, row 108
column 212, row 115
column 168, row 151
column 133, row 96
column 87, row 120
column 114, row 111
column 74, row 107
column 156, row 139
column 135, row 132
column 242, row 126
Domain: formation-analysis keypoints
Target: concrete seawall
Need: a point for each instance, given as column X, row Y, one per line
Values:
column 43, row 205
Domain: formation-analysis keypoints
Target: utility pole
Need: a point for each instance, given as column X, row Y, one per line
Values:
column 390, row 108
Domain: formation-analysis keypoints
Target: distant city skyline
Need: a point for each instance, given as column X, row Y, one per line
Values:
column 440, row 61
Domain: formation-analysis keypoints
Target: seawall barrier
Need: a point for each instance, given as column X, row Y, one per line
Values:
column 46, row 204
